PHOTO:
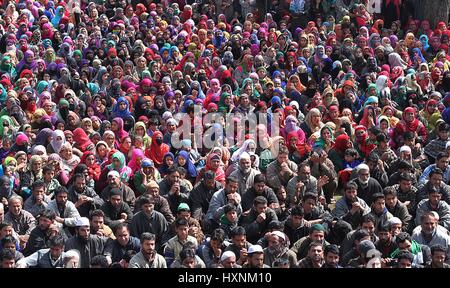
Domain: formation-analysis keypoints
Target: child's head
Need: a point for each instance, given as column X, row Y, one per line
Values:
column 6, row 142
column 230, row 213
column 182, row 172
column 138, row 142
column 49, row 172
column 350, row 155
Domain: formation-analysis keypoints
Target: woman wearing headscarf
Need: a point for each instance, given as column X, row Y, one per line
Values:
column 183, row 160
column 101, row 152
column 146, row 173
column 121, row 108
column 137, row 156
column 409, row 123
column 27, row 62
column 212, row 164
column 429, row 110
column 44, row 137
column 69, row 160
column 157, row 149
column 93, row 167
column 82, row 141
column 119, row 164
column 117, row 128
column 31, row 174
column 7, row 126
column 326, row 139
column 141, row 130
column 313, row 122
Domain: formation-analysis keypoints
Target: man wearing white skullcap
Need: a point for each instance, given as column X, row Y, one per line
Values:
column 367, row 186
column 228, row 260
column 278, row 248
column 245, row 173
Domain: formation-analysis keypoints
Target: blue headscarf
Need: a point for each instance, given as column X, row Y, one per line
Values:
column 57, row 17
column 417, row 50
column 200, row 95
column 424, row 39
column 189, row 166
column 116, row 112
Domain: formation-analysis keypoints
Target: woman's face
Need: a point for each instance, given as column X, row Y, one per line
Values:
column 315, row 120
column 181, row 161
column 69, row 138
column 101, row 150
column 127, row 143
column 66, row 153
column 90, row 111
column 409, row 116
column 87, row 126
column 326, row 134
column 114, row 126
column 116, row 162
column 169, row 161
column 215, row 163
column 90, row 160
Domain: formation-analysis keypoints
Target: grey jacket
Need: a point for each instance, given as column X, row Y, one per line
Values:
column 70, row 214
column 443, row 210
column 342, row 211
column 245, row 181
column 217, row 203
column 139, row 261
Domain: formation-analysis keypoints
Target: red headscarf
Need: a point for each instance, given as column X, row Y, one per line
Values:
column 156, row 152
column 220, row 174
column 82, row 139
column 341, row 143
column 94, row 169
column 410, row 126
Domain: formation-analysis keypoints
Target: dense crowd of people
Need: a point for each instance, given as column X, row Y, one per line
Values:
column 116, row 148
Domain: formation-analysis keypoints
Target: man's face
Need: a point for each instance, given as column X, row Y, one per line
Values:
column 148, row 208
column 438, row 258
column 282, row 157
column 115, row 200
column 385, row 236
column 61, row 198
column 209, row 183
column 56, row 251
column 154, row 191
column 39, row 191
column 123, row 236
column 305, row 173
column 434, row 198
column 9, row 246
column 316, row 253
column 404, row 263
column 6, row 231
column 369, row 227
column 182, row 232
column 8, row 263
column 97, row 223
column 184, row 214
column 245, row 164
column 405, row 185
column 429, row 224
column 391, row 200
column 296, row 220
column 148, row 247
column 259, row 187
column 442, row 163
column 350, row 194
column 309, row 205
column 257, row 260
column 332, row 259
column 436, row 180
column 174, row 177
column 363, row 175
column 229, row 262
column 83, row 232
column 406, row 245
column 239, row 240
column 15, row 207
column 396, row 229
column 80, row 183
column 114, row 182
column 44, row 223
column 318, row 236
column 261, row 208
column 379, row 205
column 232, row 187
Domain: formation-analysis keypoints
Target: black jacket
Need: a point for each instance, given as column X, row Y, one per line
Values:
column 112, row 214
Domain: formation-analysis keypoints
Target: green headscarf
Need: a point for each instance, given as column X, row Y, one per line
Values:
column 8, row 68
column 3, row 119
column 222, row 106
column 118, row 155
column 41, row 86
